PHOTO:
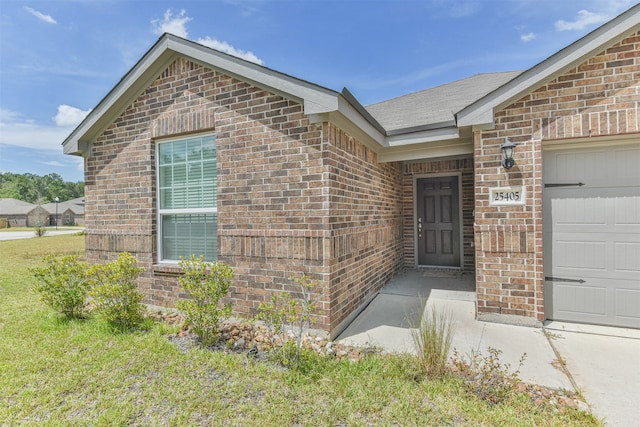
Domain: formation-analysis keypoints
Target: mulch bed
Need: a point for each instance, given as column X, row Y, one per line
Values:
column 241, row 337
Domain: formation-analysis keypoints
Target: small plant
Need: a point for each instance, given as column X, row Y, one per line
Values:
column 39, row 230
column 62, row 284
column 486, row 376
column 432, row 339
column 207, row 284
column 114, row 292
column 287, row 317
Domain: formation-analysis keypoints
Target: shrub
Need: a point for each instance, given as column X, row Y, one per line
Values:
column 39, row 230
column 114, row 292
column 62, row 284
column 206, row 284
column 486, row 376
column 432, row 339
column 288, row 317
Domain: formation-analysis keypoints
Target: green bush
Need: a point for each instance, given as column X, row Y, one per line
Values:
column 432, row 339
column 114, row 292
column 206, row 283
column 486, row 376
column 62, row 284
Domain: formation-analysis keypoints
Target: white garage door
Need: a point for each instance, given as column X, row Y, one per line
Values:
column 591, row 202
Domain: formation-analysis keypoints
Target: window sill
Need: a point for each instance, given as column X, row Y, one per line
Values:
column 167, row 270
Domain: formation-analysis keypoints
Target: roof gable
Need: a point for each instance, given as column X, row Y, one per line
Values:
column 481, row 112
column 316, row 99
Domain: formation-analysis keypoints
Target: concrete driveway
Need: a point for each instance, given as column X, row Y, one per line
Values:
column 602, row 363
column 16, row 235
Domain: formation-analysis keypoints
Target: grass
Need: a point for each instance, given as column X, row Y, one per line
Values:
column 59, row 372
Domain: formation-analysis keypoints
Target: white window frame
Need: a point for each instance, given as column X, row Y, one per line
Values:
column 161, row 212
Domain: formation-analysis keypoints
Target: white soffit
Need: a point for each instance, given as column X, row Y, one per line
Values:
column 427, row 150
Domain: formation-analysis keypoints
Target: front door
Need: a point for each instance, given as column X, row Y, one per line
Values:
column 438, row 221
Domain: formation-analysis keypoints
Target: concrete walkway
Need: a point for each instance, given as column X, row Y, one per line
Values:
column 603, row 363
column 17, row 235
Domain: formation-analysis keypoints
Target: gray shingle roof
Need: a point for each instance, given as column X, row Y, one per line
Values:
column 15, row 207
column 76, row 206
column 436, row 107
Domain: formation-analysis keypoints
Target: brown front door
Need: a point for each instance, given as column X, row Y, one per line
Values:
column 438, row 221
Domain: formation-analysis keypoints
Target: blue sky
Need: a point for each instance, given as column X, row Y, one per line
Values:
column 58, row 59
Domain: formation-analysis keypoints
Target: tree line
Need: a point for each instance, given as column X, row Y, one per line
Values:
column 38, row 189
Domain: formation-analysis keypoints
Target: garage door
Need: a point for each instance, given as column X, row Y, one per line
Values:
column 591, row 202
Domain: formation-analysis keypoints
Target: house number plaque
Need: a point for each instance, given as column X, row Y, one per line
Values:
column 506, row 196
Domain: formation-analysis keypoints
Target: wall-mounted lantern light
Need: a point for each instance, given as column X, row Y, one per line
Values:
column 507, row 154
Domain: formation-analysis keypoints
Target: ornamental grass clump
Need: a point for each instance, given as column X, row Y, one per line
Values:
column 62, row 284
column 114, row 293
column 207, row 284
column 432, row 340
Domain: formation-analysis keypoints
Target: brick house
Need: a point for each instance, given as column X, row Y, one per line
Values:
column 17, row 213
column 196, row 151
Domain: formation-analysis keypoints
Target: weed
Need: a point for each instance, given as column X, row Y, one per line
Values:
column 287, row 317
column 432, row 339
column 206, row 284
column 486, row 376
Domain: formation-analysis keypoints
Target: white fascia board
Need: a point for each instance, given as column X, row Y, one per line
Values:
column 120, row 97
column 428, row 150
column 482, row 111
column 432, row 135
column 352, row 115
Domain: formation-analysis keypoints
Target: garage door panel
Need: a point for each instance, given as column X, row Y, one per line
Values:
column 592, row 235
column 576, row 211
column 627, row 210
column 580, row 254
column 580, row 299
column 627, row 257
column 627, row 303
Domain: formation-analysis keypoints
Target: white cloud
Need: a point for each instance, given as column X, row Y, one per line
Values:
column 583, row 19
column 527, row 37
column 18, row 131
column 53, row 163
column 464, row 9
column 227, row 48
column 69, row 116
column 41, row 16
column 176, row 25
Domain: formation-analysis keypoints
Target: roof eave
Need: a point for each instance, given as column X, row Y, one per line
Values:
column 481, row 112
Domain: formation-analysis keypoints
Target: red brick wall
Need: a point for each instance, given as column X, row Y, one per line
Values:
column 293, row 197
column 271, row 203
column 365, row 221
column 598, row 97
column 412, row 170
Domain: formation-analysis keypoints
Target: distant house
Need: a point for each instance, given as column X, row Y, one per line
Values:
column 70, row 212
column 22, row 214
column 198, row 152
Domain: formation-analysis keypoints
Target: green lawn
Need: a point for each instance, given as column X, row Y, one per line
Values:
column 59, row 372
